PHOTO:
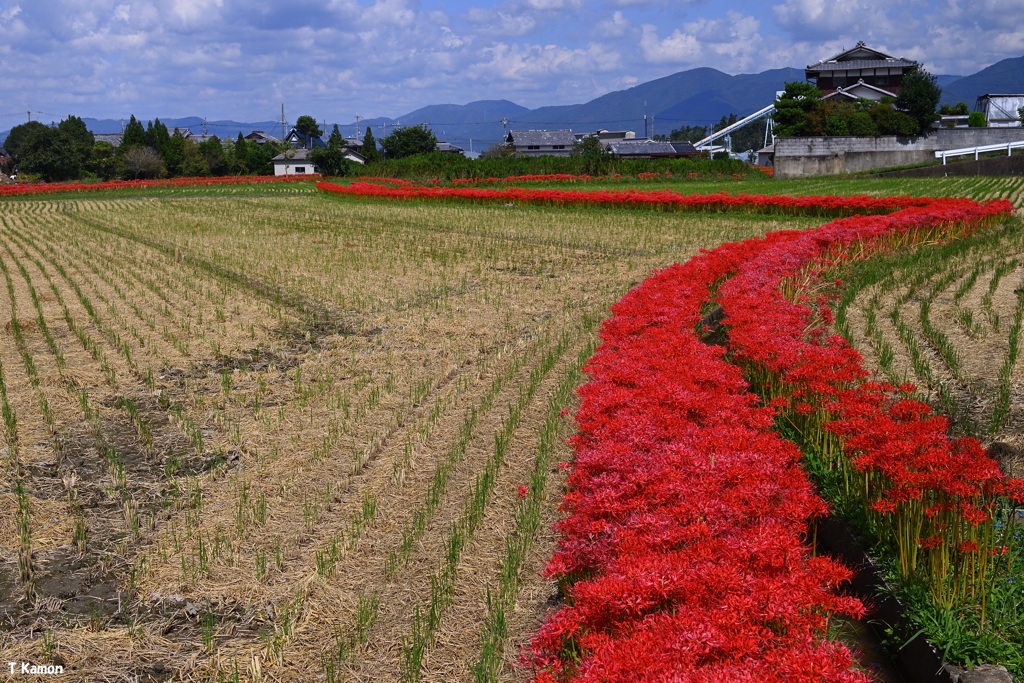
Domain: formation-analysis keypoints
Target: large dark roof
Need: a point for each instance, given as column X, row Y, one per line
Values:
column 295, row 137
column 294, row 154
column 640, row 147
column 541, row 137
column 861, row 57
column 823, row 67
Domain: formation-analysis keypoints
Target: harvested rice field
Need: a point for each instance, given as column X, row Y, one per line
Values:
column 287, row 436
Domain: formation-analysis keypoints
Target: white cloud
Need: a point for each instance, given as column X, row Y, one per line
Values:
column 678, row 47
column 8, row 13
column 242, row 58
column 616, row 27
column 545, row 5
column 192, row 12
column 499, row 23
column 536, row 63
column 852, row 19
column 390, row 12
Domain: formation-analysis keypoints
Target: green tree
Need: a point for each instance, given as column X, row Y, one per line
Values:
column 409, row 141
column 159, row 138
column 588, row 147
column 58, row 153
column 594, row 156
column 958, row 109
column 500, row 150
column 307, row 125
column 369, row 148
column 239, row 157
column 330, row 160
column 919, row 97
column 258, row 157
column 890, row 121
column 80, row 138
column 976, row 120
column 173, row 154
column 140, row 161
column 17, row 139
column 794, row 107
column 134, row 134
column 103, row 160
column 213, row 152
column 686, row 134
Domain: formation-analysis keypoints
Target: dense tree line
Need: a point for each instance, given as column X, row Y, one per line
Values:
column 500, row 163
column 68, row 151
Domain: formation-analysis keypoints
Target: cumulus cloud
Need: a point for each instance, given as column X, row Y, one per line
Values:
column 554, row 4
column 489, row 22
column 678, row 47
column 615, row 27
column 816, row 19
column 242, row 58
column 534, row 63
column 732, row 43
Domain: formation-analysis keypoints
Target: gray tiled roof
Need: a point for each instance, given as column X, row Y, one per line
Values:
column 684, row 148
column 297, row 154
column 862, row 64
column 542, row 137
column 634, row 147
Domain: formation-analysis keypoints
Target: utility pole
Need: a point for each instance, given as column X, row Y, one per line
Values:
column 504, row 129
column 357, row 125
column 282, row 122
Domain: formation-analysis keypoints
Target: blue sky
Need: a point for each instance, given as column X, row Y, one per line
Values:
column 335, row 59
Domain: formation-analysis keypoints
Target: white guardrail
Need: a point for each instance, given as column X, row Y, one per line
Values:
column 1008, row 146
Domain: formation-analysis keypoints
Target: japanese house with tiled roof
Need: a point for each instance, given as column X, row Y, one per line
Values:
column 860, row 72
column 556, row 143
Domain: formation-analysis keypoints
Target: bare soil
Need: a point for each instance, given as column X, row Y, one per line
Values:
column 250, row 406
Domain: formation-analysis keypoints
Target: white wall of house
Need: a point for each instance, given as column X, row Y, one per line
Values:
column 294, row 167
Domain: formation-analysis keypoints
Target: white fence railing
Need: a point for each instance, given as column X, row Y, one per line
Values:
column 1008, row 146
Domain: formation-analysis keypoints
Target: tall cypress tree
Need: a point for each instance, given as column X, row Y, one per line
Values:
column 369, row 148
column 134, row 134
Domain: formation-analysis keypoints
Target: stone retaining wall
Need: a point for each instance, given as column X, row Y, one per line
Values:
column 817, row 156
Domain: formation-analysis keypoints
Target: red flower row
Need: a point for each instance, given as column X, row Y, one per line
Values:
column 682, row 551
column 665, row 199
column 933, row 498
column 531, row 178
column 50, row 188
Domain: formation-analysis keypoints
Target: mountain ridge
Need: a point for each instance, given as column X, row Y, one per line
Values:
column 695, row 97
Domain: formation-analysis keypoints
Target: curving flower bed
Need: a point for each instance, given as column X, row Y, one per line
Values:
column 660, row 199
column 934, row 499
column 681, row 552
column 17, row 190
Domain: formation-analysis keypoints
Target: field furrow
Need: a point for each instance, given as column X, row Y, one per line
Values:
column 288, row 424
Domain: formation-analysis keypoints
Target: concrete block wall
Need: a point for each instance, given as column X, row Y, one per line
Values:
column 816, row 156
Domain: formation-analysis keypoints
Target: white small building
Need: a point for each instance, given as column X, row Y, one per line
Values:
column 293, row 162
column 1001, row 111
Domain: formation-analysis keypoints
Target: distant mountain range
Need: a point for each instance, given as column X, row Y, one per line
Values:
column 698, row 97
